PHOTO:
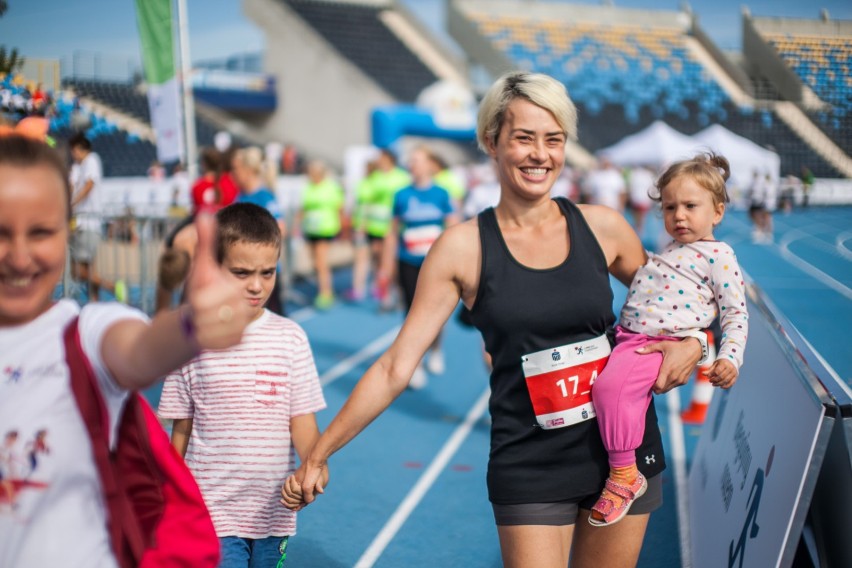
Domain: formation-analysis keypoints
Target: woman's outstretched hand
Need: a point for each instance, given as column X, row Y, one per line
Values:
column 218, row 310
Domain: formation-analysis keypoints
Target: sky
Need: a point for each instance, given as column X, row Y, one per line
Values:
column 101, row 35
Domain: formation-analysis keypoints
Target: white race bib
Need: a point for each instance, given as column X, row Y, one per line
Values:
column 418, row 240
column 560, row 381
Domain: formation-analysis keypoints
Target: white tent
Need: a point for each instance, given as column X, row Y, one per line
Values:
column 745, row 156
column 657, row 146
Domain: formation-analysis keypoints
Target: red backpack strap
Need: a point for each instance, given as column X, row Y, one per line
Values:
column 124, row 531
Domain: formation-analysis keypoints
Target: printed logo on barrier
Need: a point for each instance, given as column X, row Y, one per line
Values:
column 720, row 412
column 750, row 528
column 556, row 356
column 579, row 350
column 554, row 423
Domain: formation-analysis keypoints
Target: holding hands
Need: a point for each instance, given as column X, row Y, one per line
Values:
column 302, row 487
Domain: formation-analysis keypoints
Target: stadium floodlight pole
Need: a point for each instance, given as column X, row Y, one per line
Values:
column 186, row 92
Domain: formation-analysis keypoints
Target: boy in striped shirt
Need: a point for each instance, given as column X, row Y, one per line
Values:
column 239, row 413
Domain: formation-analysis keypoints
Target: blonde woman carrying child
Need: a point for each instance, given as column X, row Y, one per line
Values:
column 677, row 293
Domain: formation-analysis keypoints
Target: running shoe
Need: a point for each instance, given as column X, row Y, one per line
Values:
column 435, row 362
column 418, row 379
column 121, row 291
column 324, row 301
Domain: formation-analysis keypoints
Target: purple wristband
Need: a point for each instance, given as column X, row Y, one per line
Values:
column 188, row 327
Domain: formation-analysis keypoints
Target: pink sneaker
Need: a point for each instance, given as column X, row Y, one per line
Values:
column 353, row 296
column 628, row 493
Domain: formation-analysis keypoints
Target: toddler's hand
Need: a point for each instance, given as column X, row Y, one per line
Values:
column 722, row 374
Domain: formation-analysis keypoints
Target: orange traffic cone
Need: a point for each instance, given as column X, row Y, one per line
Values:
column 702, row 390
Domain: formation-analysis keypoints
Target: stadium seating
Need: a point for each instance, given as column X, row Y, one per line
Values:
column 357, row 32
column 625, row 77
column 122, row 153
column 631, row 66
column 824, row 65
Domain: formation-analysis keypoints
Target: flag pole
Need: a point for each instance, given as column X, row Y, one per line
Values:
column 186, row 92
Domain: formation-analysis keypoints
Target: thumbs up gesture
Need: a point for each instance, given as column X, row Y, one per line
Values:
column 219, row 311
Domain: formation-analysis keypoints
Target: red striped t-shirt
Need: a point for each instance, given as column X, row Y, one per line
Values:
column 241, row 401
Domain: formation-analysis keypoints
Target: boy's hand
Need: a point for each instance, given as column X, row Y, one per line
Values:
column 291, row 494
column 296, row 495
column 219, row 311
column 722, row 374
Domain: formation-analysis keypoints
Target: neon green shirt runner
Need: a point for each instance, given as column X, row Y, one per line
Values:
column 378, row 200
column 451, row 182
column 321, row 206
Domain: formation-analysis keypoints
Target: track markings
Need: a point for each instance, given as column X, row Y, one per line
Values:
column 370, row 350
column 451, row 446
column 795, row 260
column 678, row 447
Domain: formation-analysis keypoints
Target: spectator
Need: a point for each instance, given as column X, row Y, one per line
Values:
column 86, row 207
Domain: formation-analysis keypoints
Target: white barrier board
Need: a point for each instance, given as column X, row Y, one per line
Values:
column 752, row 472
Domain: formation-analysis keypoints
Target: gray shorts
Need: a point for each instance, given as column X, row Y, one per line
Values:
column 566, row 512
column 84, row 245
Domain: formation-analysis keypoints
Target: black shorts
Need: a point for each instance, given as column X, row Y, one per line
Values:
column 374, row 239
column 565, row 512
column 316, row 238
column 407, row 275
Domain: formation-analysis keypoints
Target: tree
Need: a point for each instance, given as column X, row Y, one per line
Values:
column 3, row 7
column 10, row 62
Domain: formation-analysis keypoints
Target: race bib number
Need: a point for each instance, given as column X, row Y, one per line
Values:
column 418, row 240
column 378, row 213
column 560, row 381
column 313, row 222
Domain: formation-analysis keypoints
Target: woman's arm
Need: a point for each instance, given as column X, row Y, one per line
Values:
column 437, row 295
column 137, row 353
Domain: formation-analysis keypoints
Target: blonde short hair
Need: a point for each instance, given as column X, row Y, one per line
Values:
column 541, row 90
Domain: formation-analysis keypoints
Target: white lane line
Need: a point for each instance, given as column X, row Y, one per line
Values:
column 678, row 458
column 369, row 350
column 423, row 484
column 809, row 268
column 302, row 315
column 834, row 374
column 840, row 244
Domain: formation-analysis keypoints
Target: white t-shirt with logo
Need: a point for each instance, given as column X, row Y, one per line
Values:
column 51, row 508
column 88, row 211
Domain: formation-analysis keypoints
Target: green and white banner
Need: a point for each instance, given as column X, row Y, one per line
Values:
column 156, row 33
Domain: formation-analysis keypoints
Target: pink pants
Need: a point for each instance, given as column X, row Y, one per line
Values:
column 622, row 393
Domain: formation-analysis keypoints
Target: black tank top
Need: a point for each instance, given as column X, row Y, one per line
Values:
column 521, row 310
